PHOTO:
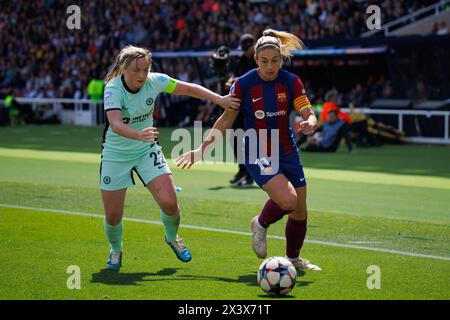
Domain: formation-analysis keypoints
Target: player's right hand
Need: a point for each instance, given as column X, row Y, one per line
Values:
column 230, row 102
column 148, row 134
column 186, row 160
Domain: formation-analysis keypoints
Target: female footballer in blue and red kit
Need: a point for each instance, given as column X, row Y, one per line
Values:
column 267, row 96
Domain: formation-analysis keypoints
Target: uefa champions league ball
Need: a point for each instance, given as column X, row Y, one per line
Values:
column 277, row 276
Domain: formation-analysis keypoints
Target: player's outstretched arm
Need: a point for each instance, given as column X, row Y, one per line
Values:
column 228, row 102
column 225, row 121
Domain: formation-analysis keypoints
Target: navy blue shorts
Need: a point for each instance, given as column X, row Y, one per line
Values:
column 289, row 165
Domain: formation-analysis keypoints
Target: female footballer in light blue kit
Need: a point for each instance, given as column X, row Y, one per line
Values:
column 129, row 145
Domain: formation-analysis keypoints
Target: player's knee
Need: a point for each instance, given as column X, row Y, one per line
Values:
column 170, row 206
column 300, row 214
column 288, row 202
column 113, row 220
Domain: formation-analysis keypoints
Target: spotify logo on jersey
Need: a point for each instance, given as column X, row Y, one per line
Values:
column 259, row 114
column 149, row 101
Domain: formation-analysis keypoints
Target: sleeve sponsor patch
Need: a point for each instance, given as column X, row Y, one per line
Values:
column 162, row 77
column 107, row 96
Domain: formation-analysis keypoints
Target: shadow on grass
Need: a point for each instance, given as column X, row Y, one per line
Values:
column 219, row 188
column 115, row 277
column 206, row 214
column 300, row 273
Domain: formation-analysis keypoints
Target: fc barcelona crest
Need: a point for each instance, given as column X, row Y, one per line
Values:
column 282, row 97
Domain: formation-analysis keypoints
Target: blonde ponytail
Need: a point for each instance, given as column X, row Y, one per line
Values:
column 284, row 41
column 123, row 59
column 114, row 71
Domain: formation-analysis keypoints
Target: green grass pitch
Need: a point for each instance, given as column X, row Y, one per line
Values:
column 387, row 206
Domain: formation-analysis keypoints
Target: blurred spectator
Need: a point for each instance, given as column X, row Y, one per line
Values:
column 329, row 136
column 440, row 29
column 356, row 95
column 331, row 99
column 388, row 91
column 12, row 107
column 17, row 113
column 204, row 113
column 95, row 89
column 420, row 93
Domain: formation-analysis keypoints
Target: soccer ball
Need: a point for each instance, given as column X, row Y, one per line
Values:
column 277, row 276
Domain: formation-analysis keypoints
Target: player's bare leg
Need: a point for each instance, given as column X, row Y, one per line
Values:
column 113, row 203
column 282, row 200
column 295, row 232
column 163, row 191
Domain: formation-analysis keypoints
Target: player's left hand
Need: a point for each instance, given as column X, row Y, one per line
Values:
column 186, row 160
column 230, row 102
column 307, row 127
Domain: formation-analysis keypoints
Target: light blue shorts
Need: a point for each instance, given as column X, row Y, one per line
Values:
column 116, row 175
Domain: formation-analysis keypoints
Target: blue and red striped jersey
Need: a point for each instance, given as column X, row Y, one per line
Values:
column 267, row 104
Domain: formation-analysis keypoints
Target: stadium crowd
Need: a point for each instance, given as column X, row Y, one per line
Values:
column 41, row 57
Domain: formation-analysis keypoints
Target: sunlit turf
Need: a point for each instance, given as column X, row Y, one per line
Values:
column 390, row 197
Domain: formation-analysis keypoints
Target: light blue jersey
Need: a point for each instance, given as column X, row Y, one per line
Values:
column 137, row 111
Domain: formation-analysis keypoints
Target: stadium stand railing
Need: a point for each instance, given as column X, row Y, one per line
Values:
column 69, row 111
column 439, row 119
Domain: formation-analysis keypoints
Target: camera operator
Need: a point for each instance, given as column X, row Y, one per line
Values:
column 220, row 63
column 245, row 63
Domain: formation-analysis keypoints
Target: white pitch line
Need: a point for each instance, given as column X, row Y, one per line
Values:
column 366, row 242
column 326, row 243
